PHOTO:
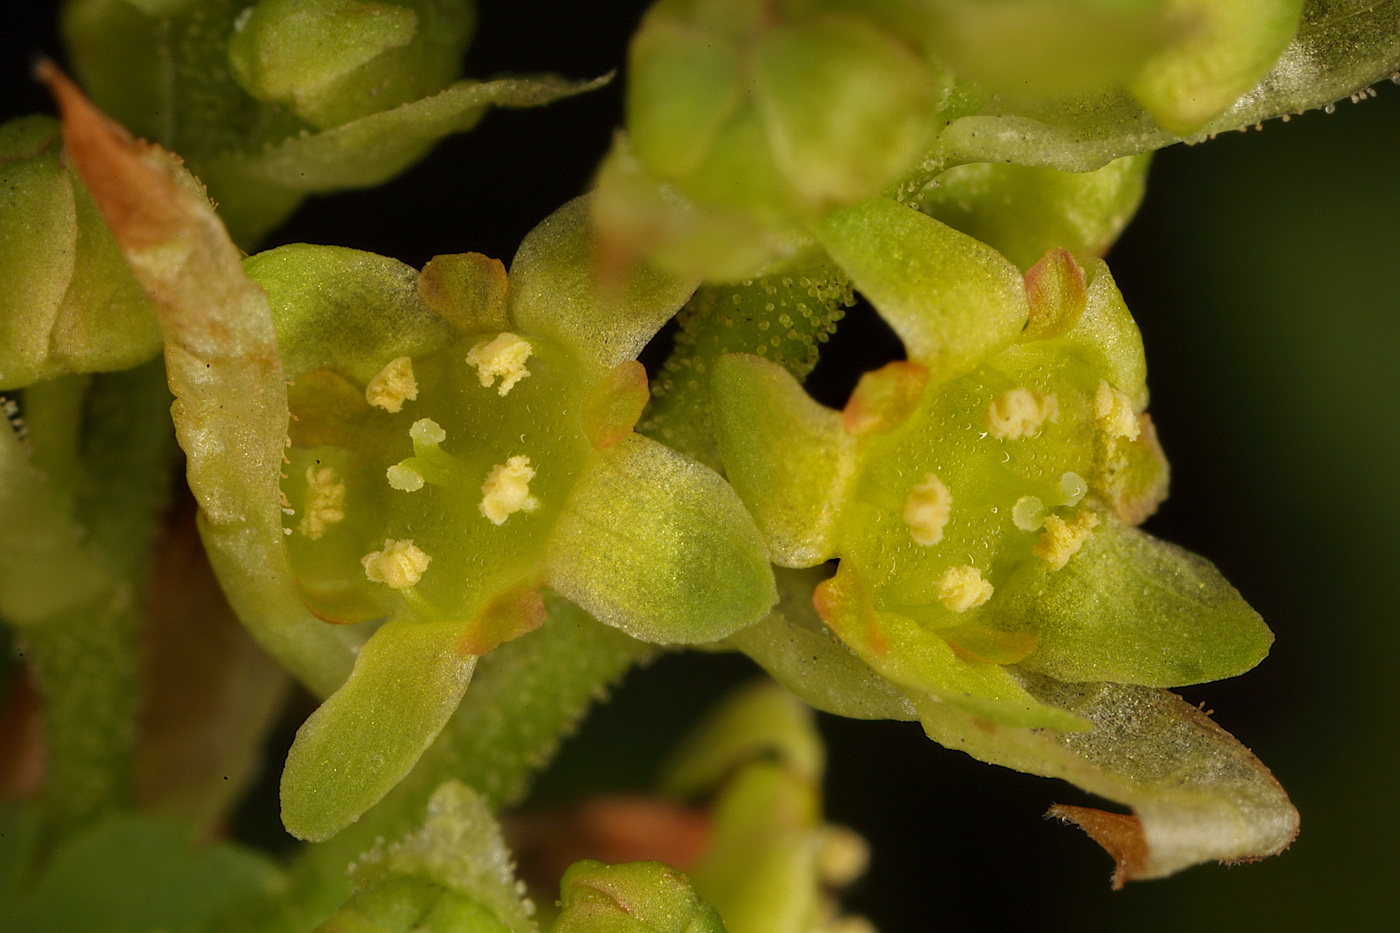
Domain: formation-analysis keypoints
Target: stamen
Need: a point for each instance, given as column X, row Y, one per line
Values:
column 325, row 502
column 963, row 588
column 926, row 510
column 399, row 565
column 1018, row 412
column 507, row 490
column 505, row 357
column 393, row 385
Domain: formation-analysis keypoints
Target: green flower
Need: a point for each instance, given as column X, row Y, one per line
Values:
column 460, row 438
column 981, row 495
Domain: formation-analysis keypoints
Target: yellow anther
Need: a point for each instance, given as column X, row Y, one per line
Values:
column 963, row 588
column 393, row 385
column 1114, row 412
column 507, row 490
column 325, row 502
column 397, row 566
column 926, row 510
column 404, row 478
column 427, row 432
column 1018, row 412
column 505, row 357
column 1062, row 539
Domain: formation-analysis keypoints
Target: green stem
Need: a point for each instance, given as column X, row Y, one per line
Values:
column 104, row 447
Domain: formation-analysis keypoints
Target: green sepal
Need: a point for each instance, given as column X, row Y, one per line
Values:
column 637, row 897
column 660, row 547
column 1023, row 211
column 952, row 300
column 1197, row 794
column 407, row 681
column 760, row 721
column 344, row 309
column 785, row 455
column 1130, row 608
column 555, row 292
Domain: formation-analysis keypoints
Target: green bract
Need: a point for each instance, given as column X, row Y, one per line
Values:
column 458, row 439
column 271, row 101
column 980, row 495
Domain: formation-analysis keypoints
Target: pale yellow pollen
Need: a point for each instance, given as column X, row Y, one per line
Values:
column 963, row 588
column 1028, row 513
column 1062, row 539
column 404, row 478
column 427, row 432
column 1018, row 412
column 325, row 502
column 505, row 357
column 393, row 385
column 926, row 510
column 507, row 490
column 397, row 566
column 1114, row 412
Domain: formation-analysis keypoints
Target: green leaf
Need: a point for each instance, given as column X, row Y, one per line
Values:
column 1197, row 793
column 660, row 547
column 407, row 681
column 786, row 456
column 135, row 874
column 555, row 292
column 638, row 897
column 1132, row 609
column 952, row 300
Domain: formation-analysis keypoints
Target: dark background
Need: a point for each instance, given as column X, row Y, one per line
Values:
column 1262, row 269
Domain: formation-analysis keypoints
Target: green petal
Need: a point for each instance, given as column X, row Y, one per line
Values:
column 1197, row 794
column 1108, row 338
column 344, row 309
column 951, row 299
column 407, row 681
column 660, row 547
column 786, row 456
column 901, row 650
column 1132, row 609
column 555, row 292
column 798, row 651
